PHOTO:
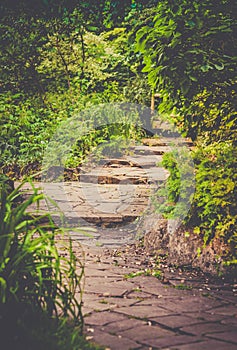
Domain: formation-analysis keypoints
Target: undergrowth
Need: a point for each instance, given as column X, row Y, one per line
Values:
column 40, row 278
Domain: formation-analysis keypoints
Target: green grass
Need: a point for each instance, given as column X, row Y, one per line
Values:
column 182, row 286
column 147, row 272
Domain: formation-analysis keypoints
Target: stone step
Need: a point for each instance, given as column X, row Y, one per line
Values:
column 123, row 175
column 109, row 194
column 99, row 220
column 87, row 203
column 134, row 160
column 166, row 141
column 146, row 161
column 155, row 150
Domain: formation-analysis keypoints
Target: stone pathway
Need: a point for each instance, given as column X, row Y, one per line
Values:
column 125, row 307
column 108, row 197
column 131, row 300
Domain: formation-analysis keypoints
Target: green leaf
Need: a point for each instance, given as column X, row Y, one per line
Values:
column 219, row 66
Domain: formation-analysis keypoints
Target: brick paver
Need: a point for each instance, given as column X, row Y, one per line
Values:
column 145, row 313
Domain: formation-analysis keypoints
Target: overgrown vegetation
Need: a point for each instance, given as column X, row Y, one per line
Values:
column 55, row 62
column 40, row 280
column 189, row 51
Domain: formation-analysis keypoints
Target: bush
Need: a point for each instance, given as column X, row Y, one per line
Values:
column 214, row 207
column 213, row 212
column 176, row 194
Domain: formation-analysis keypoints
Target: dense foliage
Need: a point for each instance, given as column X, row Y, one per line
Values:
column 189, row 51
column 52, row 67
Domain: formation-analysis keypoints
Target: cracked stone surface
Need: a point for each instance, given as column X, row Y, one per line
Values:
column 131, row 300
column 145, row 312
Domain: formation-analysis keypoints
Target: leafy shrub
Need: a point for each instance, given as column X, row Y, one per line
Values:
column 175, row 195
column 213, row 116
column 26, row 127
column 214, row 207
column 214, row 211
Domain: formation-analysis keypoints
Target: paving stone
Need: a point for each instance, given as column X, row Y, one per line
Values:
column 230, row 336
column 143, row 311
column 205, row 345
column 96, row 305
column 90, row 272
column 145, row 333
column 99, row 286
column 228, row 310
column 103, row 318
column 191, row 304
column 160, row 303
column 175, row 321
column 127, row 324
column 102, row 280
column 89, row 297
column 206, row 316
column 227, row 296
column 168, row 342
column 95, row 264
column 140, row 295
column 149, row 284
column 86, row 311
column 106, row 287
column 120, row 302
column 204, row 328
column 145, row 161
column 113, row 342
column 156, row 150
column 230, row 321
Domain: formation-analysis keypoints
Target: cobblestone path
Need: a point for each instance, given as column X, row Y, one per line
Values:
column 108, row 197
column 132, row 301
column 126, row 309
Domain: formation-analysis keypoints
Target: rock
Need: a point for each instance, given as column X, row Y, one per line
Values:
column 156, row 237
column 182, row 250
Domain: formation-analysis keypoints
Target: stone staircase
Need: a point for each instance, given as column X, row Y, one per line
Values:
column 103, row 206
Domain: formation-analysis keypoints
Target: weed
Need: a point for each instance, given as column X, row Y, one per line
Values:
column 182, row 286
column 40, row 288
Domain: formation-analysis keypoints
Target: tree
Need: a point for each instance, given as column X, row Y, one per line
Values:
column 189, row 48
column 21, row 38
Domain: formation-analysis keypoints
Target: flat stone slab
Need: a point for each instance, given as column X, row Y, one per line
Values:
column 146, row 332
column 96, row 204
column 108, row 193
column 228, row 336
column 112, row 341
column 156, row 150
column 166, row 141
column 206, row 345
column 126, row 324
column 104, row 318
column 123, row 175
